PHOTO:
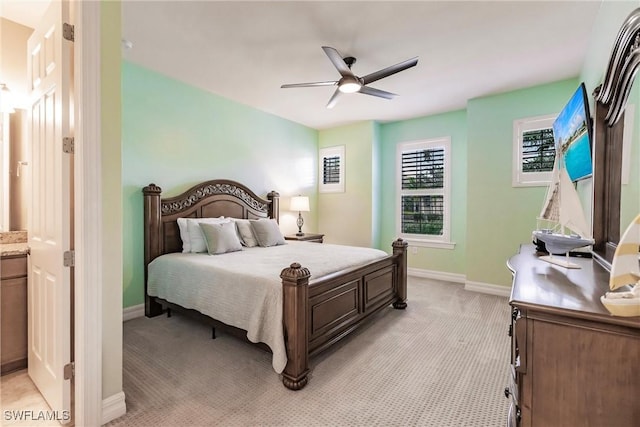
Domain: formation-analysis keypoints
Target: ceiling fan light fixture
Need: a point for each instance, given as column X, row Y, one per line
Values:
column 349, row 85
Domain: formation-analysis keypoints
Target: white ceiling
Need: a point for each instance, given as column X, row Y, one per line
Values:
column 245, row 51
column 25, row 12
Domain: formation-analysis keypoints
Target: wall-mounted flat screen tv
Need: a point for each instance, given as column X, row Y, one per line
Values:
column 572, row 134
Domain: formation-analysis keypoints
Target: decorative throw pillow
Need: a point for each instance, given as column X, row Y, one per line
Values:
column 267, row 232
column 196, row 239
column 245, row 231
column 221, row 238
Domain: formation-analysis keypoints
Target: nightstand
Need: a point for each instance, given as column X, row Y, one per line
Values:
column 306, row 237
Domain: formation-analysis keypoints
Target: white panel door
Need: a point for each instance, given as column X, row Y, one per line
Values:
column 49, row 312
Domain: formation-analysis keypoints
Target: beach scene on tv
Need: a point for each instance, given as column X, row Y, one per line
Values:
column 572, row 137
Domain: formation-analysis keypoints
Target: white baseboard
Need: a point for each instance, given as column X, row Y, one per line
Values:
column 436, row 275
column 488, row 288
column 485, row 288
column 133, row 312
column 113, row 407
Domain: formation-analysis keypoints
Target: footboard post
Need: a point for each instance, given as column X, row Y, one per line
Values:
column 400, row 251
column 295, row 288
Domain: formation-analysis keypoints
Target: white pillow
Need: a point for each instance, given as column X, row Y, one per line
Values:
column 221, row 238
column 196, row 238
column 267, row 232
column 184, row 235
column 245, row 231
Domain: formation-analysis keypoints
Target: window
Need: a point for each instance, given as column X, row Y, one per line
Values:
column 331, row 169
column 424, row 181
column 534, row 151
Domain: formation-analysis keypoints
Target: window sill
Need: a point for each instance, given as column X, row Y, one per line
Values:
column 516, row 184
column 436, row 244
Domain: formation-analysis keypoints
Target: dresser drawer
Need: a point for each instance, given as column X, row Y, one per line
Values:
column 13, row 266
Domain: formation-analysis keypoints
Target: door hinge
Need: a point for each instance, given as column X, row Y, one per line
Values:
column 69, row 370
column 69, row 259
column 68, row 32
column 68, row 145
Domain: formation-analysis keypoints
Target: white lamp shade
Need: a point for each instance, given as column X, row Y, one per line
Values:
column 299, row 203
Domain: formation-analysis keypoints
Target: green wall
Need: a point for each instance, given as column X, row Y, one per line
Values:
column 347, row 218
column 176, row 135
column 501, row 217
column 489, row 217
column 453, row 124
column 376, row 187
column 112, row 219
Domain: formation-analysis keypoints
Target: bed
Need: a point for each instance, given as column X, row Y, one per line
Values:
column 317, row 310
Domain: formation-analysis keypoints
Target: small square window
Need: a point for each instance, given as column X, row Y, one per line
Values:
column 331, row 168
column 534, row 151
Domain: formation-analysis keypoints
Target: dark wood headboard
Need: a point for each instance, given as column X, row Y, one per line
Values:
column 218, row 197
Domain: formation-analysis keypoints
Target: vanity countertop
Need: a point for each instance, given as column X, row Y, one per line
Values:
column 8, row 249
column 13, row 243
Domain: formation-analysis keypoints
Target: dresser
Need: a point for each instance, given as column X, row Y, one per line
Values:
column 572, row 363
column 13, row 300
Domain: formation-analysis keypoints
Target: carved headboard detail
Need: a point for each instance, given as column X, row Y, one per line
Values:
column 220, row 197
column 611, row 100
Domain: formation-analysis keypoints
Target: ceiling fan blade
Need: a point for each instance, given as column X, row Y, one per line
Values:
column 333, row 83
column 386, row 72
column 334, row 98
column 337, row 61
column 377, row 92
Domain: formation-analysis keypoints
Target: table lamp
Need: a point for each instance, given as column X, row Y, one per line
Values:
column 300, row 204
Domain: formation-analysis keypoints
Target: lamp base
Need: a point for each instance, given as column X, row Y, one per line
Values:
column 300, row 223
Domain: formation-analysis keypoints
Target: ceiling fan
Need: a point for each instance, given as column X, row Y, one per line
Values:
column 350, row 83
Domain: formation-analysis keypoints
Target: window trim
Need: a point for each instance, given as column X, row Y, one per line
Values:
column 528, row 179
column 433, row 241
column 331, row 152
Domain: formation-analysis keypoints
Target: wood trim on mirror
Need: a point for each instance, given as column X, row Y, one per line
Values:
column 610, row 102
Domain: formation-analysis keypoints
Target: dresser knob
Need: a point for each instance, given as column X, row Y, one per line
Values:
column 507, row 392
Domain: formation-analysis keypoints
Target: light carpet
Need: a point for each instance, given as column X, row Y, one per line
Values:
column 441, row 362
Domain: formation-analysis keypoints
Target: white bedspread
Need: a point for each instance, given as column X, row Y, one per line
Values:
column 244, row 289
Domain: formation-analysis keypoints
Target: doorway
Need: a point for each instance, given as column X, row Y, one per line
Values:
column 88, row 201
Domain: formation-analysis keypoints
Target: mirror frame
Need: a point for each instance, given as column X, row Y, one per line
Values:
column 610, row 100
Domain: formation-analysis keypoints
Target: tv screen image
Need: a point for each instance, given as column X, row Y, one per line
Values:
column 572, row 134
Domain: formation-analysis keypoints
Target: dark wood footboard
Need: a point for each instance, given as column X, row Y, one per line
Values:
column 319, row 313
